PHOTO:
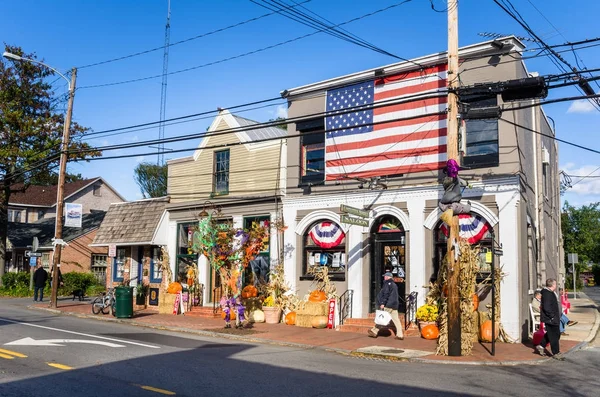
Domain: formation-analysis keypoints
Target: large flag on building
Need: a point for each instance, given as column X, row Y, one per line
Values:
column 392, row 131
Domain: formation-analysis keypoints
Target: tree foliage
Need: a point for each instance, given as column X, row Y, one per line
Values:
column 31, row 128
column 152, row 179
column 283, row 125
column 581, row 232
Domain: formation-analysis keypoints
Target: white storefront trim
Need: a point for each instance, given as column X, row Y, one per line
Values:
column 477, row 207
column 318, row 215
column 391, row 210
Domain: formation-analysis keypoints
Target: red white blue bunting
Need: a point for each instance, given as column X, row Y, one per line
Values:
column 326, row 234
column 471, row 227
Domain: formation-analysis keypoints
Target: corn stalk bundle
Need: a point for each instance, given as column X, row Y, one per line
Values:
column 324, row 283
column 166, row 268
column 469, row 267
column 442, row 301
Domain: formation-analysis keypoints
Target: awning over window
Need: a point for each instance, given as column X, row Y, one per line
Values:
column 326, row 234
column 471, row 227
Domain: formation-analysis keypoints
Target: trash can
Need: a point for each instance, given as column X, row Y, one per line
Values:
column 124, row 302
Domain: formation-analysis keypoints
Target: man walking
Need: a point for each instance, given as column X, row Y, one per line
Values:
column 387, row 299
column 39, row 281
column 550, row 316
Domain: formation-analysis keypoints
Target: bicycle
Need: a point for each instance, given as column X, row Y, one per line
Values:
column 104, row 303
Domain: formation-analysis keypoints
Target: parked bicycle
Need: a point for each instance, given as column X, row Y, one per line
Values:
column 105, row 303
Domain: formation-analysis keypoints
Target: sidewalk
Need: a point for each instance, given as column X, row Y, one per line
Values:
column 414, row 349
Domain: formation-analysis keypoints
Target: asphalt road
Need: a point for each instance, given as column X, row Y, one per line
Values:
column 118, row 360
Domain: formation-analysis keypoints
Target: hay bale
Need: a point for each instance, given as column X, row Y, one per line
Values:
column 313, row 309
column 304, row 320
column 166, row 302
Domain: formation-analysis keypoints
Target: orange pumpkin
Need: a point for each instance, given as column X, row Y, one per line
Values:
column 174, row 288
column 475, row 302
column 249, row 291
column 485, row 331
column 231, row 315
column 317, row 296
column 430, row 331
column 319, row 322
column 290, row 318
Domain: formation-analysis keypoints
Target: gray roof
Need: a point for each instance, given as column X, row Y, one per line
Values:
column 20, row 235
column 131, row 223
column 260, row 133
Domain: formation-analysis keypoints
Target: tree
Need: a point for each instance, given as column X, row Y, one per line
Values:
column 283, row 125
column 31, row 128
column 152, row 179
column 581, row 233
column 51, row 179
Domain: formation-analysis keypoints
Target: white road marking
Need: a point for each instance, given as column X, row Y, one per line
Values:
column 79, row 333
column 58, row 342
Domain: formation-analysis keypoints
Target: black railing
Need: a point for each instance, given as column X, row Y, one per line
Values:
column 411, row 309
column 345, row 305
column 217, row 293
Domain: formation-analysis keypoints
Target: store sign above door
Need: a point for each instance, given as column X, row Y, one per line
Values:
column 355, row 211
column 354, row 221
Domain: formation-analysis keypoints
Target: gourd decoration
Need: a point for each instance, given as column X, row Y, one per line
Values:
column 485, row 331
column 290, row 318
column 317, row 296
column 430, row 332
column 249, row 291
column 319, row 322
column 174, row 288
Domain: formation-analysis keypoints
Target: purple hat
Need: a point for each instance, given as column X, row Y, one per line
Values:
column 452, row 168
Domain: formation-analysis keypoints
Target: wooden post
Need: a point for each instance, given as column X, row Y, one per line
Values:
column 60, row 195
column 454, row 331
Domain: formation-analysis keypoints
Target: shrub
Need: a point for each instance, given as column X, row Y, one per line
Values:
column 569, row 283
column 15, row 280
column 94, row 290
column 74, row 281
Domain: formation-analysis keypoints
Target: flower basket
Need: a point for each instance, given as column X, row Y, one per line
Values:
column 272, row 314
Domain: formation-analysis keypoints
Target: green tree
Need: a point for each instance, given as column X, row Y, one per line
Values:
column 152, row 179
column 283, row 125
column 31, row 128
column 581, row 233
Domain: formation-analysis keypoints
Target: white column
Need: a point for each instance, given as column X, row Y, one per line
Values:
column 204, row 277
column 290, row 251
column 354, row 263
column 510, row 296
column 238, row 222
column 417, row 265
column 172, row 246
column 273, row 241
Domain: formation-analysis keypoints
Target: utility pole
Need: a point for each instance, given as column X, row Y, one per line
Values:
column 163, row 89
column 60, row 191
column 453, row 300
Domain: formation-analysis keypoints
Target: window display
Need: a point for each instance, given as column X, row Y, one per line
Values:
column 325, row 245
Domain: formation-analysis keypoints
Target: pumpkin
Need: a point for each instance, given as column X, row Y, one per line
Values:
column 231, row 315
column 485, row 331
column 174, row 288
column 475, row 302
column 317, row 296
column 290, row 318
column 430, row 332
column 319, row 322
column 257, row 316
column 249, row 291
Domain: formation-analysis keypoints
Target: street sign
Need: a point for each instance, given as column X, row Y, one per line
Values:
column 573, row 258
column 112, row 250
column 32, row 261
column 30, row 254
column 354, row 221
column 355, row 211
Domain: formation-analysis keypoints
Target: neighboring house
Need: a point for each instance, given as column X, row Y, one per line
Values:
column 38, row 202
column 138, row 230
column 393, row 171
column 238, row 168
column 77, row 256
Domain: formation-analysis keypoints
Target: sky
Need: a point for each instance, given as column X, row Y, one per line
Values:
column 76, row 33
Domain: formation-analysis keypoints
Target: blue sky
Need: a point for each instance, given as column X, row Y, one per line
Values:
column 67, row 33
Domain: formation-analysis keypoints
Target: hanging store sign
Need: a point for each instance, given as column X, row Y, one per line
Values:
column 354, row 221
column 355, row 211
column 73, row 214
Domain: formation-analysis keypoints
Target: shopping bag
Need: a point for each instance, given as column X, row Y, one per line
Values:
column 382, row 317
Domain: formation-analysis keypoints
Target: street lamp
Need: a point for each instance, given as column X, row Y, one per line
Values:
column 58, row 230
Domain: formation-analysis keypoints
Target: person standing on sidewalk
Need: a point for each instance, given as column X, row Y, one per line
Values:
column 550, row 316
column 39, row 282
column 387, row 299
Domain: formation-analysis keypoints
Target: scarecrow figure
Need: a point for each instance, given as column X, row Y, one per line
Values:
column 450, row 203
column 235, row 304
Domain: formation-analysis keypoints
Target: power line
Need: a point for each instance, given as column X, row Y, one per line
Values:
column 181, row 41
column 573, row 98
column 246, row 53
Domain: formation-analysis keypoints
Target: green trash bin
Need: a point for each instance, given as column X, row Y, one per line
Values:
column 124, row 302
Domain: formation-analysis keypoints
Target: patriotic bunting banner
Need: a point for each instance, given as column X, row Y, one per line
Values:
column 326, row 234
column 471, row 227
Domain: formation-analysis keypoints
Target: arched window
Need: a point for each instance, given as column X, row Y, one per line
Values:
column 472, row 227
column 324, row 244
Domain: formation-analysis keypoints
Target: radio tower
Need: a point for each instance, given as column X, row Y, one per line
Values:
column 163, row 89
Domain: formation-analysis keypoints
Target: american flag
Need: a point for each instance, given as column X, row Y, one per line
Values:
column 355, row 147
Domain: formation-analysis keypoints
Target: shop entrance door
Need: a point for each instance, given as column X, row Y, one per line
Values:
column 388, row 255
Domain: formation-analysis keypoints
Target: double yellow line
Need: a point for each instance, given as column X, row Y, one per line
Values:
column 9, row 354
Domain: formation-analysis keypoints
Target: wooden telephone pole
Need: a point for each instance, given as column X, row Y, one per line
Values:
column 453, row 300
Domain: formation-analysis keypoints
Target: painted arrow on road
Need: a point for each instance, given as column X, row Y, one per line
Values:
column 58, row 342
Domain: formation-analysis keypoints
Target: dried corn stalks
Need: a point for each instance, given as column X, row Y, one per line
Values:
column 165, row 264
column 321, row 275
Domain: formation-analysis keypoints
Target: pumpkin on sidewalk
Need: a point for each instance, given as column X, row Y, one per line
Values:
column 319, row 322
column 430, row 332
column 290, row 318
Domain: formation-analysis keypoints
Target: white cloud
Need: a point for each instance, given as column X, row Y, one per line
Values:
column 282, row 111
column 585, row 179
column 581, row 106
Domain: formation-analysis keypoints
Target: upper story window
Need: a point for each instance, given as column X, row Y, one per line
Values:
column 482, row 149
column 312, row 152
column 14, row 215
column 97, row 191
column 221, row 172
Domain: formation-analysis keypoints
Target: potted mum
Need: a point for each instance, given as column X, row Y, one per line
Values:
column 272, row 312
column 426, row 315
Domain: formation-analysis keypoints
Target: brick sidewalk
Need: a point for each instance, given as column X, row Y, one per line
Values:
column 345, row 342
